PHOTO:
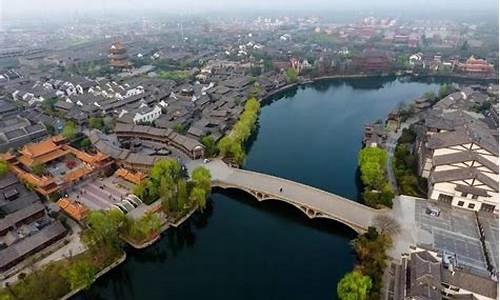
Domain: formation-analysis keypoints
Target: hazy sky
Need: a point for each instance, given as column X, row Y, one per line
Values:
column 49, row 7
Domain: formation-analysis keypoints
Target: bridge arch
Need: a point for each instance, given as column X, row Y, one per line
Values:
column 311, row 213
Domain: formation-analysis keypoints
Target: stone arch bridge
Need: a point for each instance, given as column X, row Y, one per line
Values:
column 312, row 201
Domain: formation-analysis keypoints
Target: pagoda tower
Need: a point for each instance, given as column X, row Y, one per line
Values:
column 118, row 56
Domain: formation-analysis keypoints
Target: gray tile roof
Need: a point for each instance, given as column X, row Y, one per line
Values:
column 463, row 174
column 464, row 156
column 425, row 276
column 20, row 215
column 31, row 243
column 470, row 282
column 464, row 136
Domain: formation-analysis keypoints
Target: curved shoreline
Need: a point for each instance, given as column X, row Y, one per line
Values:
column 114, row 264
column 356, row 76
column 267, row 98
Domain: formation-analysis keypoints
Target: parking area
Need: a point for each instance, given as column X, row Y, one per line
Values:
column 458, row 221
column 104, row 194
column 454, row 231
column 468, row 250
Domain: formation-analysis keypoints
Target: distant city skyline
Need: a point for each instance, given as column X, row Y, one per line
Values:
column 51, row 7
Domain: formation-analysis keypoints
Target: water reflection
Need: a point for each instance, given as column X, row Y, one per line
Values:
column 239, row 248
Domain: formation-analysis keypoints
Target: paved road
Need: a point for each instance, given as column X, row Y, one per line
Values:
column 349, row 212
column 390, row 146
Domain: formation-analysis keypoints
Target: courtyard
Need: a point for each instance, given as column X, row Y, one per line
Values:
column 454, row 232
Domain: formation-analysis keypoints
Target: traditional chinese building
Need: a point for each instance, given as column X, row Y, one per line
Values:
column 52, row 165
column 476, row 66
column 372, row 61
column 118, row 57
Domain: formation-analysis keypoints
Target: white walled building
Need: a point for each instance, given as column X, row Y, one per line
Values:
column 147, row 115
column 463, row 169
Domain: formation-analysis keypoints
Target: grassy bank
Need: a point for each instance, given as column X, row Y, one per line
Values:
column 231, row 147
column 372, row 163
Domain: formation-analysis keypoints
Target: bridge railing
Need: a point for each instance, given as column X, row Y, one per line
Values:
column 351, row 202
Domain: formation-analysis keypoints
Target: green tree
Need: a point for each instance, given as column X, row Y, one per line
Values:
column 104, row 227
column 97, row 123
column 140, row 190
column 371, row 250
column 180, row 128
column 166, row 168
column 202, row 178
column 85, row 143
column 210, row 146
column 198, row 196
column 430, row 96
column 291, row 76
column 231, row 146
column 50, row 129
column 174, row 75
column 144, row 228
column 372, row 164
column 39, row 169
column 444, row 91
column 4, row 168
column 70, row 130
column 80, row 274
column 182, row 195
column 354, row 286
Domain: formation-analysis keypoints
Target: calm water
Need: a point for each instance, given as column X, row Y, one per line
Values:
column 242, row 249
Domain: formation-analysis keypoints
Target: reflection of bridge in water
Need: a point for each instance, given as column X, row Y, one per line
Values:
column 314, row 202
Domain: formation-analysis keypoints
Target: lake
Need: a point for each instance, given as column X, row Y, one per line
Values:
column 242, row 249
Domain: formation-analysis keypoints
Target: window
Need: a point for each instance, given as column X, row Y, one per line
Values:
column 464, row 194
column 460, row 203
column 445, row 198
column 474, row 196
column 471, row 205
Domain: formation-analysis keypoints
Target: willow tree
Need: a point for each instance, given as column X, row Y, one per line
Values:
column 354, row 286
column 80, row 275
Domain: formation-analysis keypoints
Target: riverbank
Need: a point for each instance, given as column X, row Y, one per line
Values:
column 164, row 226
column 306, row 81
column 236, row 232
column 113, row 265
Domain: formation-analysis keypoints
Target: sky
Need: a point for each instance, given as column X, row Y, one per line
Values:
column 54, row 7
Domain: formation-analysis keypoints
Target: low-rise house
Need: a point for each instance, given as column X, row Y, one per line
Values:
column 23, row 216
column 16, row 131
column 25, row 228
column 30, row 245
column 427, row 276
column 147, row 114
column 14, row 196
column 374, row 135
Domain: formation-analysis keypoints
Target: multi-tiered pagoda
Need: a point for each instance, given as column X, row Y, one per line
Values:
column 118, row 56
